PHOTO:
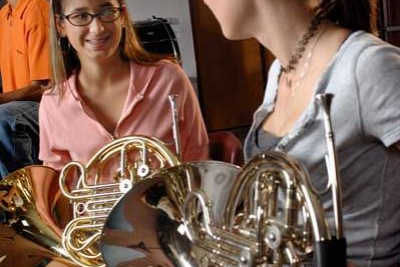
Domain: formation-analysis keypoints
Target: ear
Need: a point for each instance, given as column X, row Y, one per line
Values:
column 60, row 26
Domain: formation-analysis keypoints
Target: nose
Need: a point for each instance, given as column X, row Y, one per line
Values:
column 96, row 25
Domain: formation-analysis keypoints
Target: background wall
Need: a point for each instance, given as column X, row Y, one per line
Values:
column 178, row 14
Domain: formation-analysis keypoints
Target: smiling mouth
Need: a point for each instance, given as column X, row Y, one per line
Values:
column 98, row 43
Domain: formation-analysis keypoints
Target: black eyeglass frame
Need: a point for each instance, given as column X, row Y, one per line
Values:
column 93, row 16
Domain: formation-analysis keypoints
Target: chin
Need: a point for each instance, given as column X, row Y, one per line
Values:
column 104, row 54
column 233, row 35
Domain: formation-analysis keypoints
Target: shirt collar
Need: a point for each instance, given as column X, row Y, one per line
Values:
column 72, row 82
column 6, row 11
column 19, row 9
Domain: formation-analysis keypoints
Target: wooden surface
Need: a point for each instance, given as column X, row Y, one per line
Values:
column 393, row 12
column 390, row 19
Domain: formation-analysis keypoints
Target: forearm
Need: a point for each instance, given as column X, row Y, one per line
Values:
column 32, row 92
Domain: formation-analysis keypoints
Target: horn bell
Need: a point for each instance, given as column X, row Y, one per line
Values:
column 29, row 210
column 146, row 228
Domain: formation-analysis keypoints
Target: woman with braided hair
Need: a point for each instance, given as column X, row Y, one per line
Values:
column 330, row 46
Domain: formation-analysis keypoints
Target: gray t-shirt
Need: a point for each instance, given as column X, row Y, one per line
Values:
column 364, row 77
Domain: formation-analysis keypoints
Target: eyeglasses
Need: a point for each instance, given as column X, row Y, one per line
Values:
column 106, row 15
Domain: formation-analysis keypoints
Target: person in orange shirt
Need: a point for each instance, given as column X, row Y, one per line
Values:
column 25, row 73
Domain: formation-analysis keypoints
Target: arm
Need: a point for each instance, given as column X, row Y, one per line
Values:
column 51, row 152
column 194, row 137
column 32, row 92
column 195, row 144
column 37, row 51
column 38, row 61
column 378, row 87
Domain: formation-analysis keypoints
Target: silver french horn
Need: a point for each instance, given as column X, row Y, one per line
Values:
column 216, row 214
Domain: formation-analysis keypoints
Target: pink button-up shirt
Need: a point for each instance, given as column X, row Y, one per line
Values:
column 69, row 130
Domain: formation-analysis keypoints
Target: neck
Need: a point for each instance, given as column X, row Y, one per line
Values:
column 95, row 76
column 278, row 30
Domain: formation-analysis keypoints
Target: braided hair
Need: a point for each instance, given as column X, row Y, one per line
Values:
column 352, row 14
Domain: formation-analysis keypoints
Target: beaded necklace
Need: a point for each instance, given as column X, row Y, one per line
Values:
column 294, row 84
column 298, row 53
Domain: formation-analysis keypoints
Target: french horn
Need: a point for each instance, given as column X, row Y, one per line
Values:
column 92, row 200
column 212, row 214
column 30, row 209
column 27, row 204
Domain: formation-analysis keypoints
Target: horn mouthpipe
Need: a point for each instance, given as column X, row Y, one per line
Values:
column 175, row 125
column 325, row 101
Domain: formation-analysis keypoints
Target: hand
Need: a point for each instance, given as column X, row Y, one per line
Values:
column 32, row 92
column 3, row 99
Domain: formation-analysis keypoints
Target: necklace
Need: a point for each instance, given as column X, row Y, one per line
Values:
column 294, row 84
column 301, row 46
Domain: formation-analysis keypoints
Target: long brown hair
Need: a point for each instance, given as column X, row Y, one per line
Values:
column 65, row 60
column 352, row 14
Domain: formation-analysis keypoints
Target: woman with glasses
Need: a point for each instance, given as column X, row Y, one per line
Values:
column 330, row 46
column 107, row 86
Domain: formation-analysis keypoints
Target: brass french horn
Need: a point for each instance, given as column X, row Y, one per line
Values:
column 38, row 213
column 92, row 200
column 27, row 201
column 30, row 208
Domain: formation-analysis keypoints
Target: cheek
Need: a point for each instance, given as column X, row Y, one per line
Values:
column 117, row 34
column 74, row 37
column 71, row 34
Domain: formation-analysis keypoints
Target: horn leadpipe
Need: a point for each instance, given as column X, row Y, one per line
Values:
column 175, row 125
column 325, row 101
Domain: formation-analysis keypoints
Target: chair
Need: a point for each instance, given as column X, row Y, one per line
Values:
column 225, row 146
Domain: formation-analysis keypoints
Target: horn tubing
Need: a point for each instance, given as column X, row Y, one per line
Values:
column 325, row 101
column 175, row 125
